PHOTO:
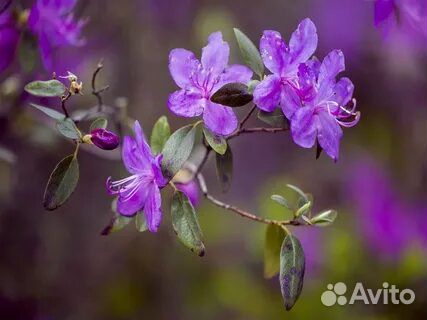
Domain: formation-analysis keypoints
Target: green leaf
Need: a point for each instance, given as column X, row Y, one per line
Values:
column 177, row 149
column 304, row 209
column 274, row 236
column 50, row 88
column 62, row 183
column 292, row 268
column 218, row 143
column 275, row 119
column 141, row 222
column 28, row 52
column 68, row 129
column 185, row 223
column 224, row 169
column 324, row 218
column 300, row 192
column 252, row 85
column 99, row 123
column 118, row 222
column 249, row 52
column 282, row 201
column 232, row 95
column 49, row 112
column 160, row 134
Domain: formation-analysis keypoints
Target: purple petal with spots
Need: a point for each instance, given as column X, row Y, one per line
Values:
column 215, row 54
column 303, row 41
column 182, row 65
column 303, row 127
column 267, row 93
column 273, row 49
column 186, row 103
column 234, row 73
column 219, row 119
column 329, row 134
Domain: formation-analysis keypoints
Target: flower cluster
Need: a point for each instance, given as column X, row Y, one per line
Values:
column 51, row 22
column 306, row 90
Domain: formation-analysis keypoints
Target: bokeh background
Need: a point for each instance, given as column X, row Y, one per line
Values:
column 56, row 265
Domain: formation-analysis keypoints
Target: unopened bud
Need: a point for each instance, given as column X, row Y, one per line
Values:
column 104, row 139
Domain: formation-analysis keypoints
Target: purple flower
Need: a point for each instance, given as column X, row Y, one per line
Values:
column 315, row 105
column 104, row 139
column 9, row 37
column 283, row 62
column 191, row 190
column 140, row 191
column 200, row 80
column 408, row 14
column 54, row 25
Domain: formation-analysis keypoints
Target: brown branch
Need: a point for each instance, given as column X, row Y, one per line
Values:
column 246, row 118
column 95, row 92
column 64, row 98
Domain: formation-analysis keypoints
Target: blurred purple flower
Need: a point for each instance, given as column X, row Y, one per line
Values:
column 200, row 80
column 388, row 224
column 316, row 104
column 104, row 139
column 9, row 37
column 191, row 190
column 283, row 62
column 407, row 14
column 54, row 25
column 140, row 191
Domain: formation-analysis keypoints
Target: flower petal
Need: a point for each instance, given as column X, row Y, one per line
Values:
column 303, row 41
column 153, row 207
column 191, row 190
column 129, row 203
column 46, row 52
column 273, row 49
column 132, row 158
column 267, row 93
column 234, row 73
column 290, row 101
column 143, row 145
column 219, row 119
column 9, row 36
column 331, row 65
column 303, row 127
column 215, row 54
column 182, row 65
column 343, row 91
column 186, row 103
column 329, row 134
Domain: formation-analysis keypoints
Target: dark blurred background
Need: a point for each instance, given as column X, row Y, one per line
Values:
column 56, row 265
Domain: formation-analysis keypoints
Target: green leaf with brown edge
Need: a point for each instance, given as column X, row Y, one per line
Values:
column 232, row 95
column 50, row 88
column 177, row 149
column 274, row 236
column 186, row 224
column 224, row 169
column 275, row 119
column 249, row 52
column 49, row 112
column 324, row 218
column 292, row 269
column 62, row 183
column 217, row 143
column 68, row 129
column 99, row 123
column 160, row 134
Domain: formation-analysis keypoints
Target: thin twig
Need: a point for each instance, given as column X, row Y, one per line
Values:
column 239, row 211
column 63, row 100
column 246, row 118
column 95, row 92
column 256, row 129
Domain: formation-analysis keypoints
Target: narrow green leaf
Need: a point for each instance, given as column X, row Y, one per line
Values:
column 282, row 201
column 177, row 149
column 50, row 88
column 304, row 210
column 160, row 134
column 99, row 123
column 185, row 223
column 49, row 112
column 324, row 218
column 141, row 222
column 232, row 95
column 275, row 119
column 249, row 52
column 62, row 183
column 299, row 191
column 252, row 85
column 224, row 169
column 274, row 236
column 292, row 268
column 68, row 129
column 218, row 143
